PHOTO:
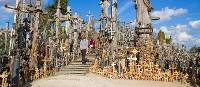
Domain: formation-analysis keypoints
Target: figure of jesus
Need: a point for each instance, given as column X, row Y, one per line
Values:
column 143, row 10
column 105, row 5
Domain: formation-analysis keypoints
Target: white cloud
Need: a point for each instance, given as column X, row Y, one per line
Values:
column 132, row 23
column 164, row 29
column 167, row 13
column 181, row 27
column 195, row 24
column 179, row 33
column 184, row 36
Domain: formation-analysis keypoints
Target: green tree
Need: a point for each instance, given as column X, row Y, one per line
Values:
column 169, row 40
column 52, row 8
column 195, row 49
column 161, row 37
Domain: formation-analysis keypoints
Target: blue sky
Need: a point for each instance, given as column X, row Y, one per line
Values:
column 179, row 18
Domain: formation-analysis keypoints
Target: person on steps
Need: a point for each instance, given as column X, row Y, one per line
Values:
column 83, row 48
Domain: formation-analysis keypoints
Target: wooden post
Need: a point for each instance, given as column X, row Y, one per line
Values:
column 35, row 36
column 6, row 34
column 45, row 72
column 114, row 27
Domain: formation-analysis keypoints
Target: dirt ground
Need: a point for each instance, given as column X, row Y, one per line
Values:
column 92, row 80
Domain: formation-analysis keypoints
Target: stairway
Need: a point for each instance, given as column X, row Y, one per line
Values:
column 75, row 68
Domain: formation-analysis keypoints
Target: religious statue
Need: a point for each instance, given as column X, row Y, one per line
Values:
column 105, row 5
column 143, row 10
column 144, row 29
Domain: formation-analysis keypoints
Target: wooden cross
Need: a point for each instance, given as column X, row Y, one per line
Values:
column 133, row 51
column 113, row 66
column 176, row 74
column 132, row 66
column 156, row 66
column 120, row 55
column 45, row 67
column 184, row 78
column 138, row 67
column 37, row 73
column 99, row 71
column 172, row 68
column 4, row 79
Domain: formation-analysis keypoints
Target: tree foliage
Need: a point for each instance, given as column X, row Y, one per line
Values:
column 52, row 8
column 195, row 49
column 51, row 14
column 169, row 40
column 161, row 37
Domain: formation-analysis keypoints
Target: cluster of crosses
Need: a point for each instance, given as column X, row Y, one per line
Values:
column 38, row 46
column 120, row 57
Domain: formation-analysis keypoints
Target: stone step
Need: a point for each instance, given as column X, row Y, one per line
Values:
column 79, row 62
column 74, row 69
column 69, row 66
column 77, row 74
column 72, row 72
column 88, row 63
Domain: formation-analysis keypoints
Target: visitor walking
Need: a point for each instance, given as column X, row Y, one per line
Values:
column 84, row 48
column 92, row 45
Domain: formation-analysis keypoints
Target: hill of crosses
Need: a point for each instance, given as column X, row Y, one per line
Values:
column 51, row 41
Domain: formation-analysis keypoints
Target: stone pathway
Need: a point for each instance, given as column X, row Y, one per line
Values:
column 92, row 80
column 76, row 75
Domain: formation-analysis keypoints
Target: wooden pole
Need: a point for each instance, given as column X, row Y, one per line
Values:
column 35, row 36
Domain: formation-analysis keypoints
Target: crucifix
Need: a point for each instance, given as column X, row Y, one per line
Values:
column 90, row 24
column 105, row 4
column 143, row 8
column 113, row 67
column 133, row 54
column 90, row 21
